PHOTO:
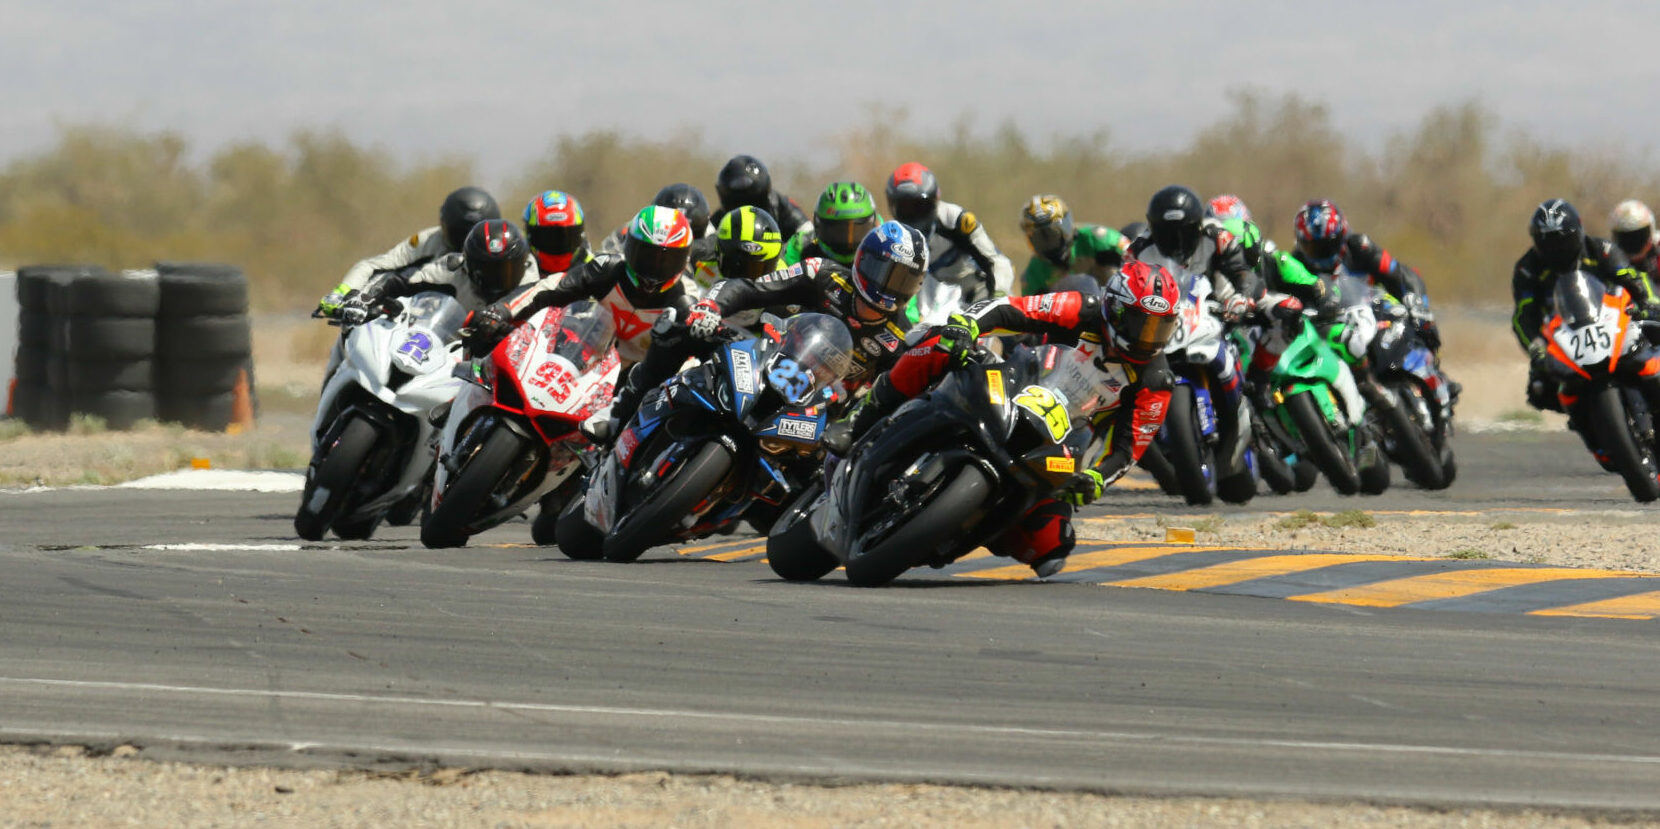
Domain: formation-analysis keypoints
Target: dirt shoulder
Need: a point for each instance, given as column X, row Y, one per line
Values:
column 65, row 787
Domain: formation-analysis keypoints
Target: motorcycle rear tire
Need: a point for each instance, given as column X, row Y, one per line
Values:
column 953, row 509
column 686, row 486
column 793, row 551
column 338, row 473
column 1323, row 450
column 1608, row 421
column 578, row 539
column 1188, row 452
column 470, row 490
column 357, row 529
column 1278, row 474
column 1413, row 449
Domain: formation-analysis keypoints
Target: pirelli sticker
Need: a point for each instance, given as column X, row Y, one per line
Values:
column 994, row 387
column 1067, row 465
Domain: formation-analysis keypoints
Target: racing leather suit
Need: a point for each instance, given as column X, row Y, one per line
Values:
column 605, row 280
column 960, row 252
column 417, row 250
column 1125, row 430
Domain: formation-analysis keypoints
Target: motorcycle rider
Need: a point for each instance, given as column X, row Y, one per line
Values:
column 748, row 246
column 960, row 250
column 845, row 213
column 1561, row 246
column 1632, row 228
column 690, row 201
column 1324, row 243
column 1125, row 331
column 461, row 210
column 635, row 288
column 745, row 181
column 1184, row 240
column 1288, row 288
column 554, row 227
column 1059, row 247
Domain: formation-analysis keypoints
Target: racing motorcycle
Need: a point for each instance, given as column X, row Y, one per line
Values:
column 951, row 469
column 1274, row 457
column 933, row 304
column 730, row 440
column 513, row 434
column 1418, row 427
column 371, row 452
column 1191, row 440
column 1597, row 351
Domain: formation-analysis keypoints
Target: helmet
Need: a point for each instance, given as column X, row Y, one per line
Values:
column 493, row 257
column 1133, row 230
column 1558, row 234
column 657, row 247
column 553, row 224
column 688, row 200
column 914, row 196
column 888, row 269
column 1229, row 207
column 1633, row 227
column 744, row 180
column 845, row 213
column 1321, row 232
column 1047, row 224
column 748, row 243
column 1141, row 311
column 1174, row 216
column 461, row 210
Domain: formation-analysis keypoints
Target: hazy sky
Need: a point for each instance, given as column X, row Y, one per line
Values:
column 498, row 80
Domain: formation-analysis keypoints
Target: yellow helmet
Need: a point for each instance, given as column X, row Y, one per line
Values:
column 1047, row 223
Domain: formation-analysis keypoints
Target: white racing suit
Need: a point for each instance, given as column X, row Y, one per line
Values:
column 960, row 252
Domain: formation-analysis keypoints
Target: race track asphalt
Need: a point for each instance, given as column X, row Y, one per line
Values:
column 510, row 656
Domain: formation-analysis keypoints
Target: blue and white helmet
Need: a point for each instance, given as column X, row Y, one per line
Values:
column 889, row 265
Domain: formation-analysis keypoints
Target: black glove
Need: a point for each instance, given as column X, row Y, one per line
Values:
column 486, row 327
column 353, row 311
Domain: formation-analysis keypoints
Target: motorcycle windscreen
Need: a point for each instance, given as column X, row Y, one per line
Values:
column 1578, row 298
column 584, row 335
column 817, row 350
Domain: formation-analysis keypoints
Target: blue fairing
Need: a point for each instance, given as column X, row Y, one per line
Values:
column 799, row 425
column 743, row 371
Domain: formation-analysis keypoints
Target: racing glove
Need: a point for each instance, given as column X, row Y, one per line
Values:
column 1235, row 308
column 957, row 337
column 704, row 320
column 1083, row 488
column 1537, row 351
column 353, row 311
column 329, row 305
column 486, row 327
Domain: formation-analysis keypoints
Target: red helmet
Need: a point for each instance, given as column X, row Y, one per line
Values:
column 554, row 226
column 914, row 196
column 1141, row 310
column 1229, row 207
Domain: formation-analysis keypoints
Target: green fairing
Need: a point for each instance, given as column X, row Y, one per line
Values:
column 1281, row 269
column 1089, row 240
column 1310, row 364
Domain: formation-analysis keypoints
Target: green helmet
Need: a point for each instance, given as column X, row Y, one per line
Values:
column 845, row 213
column 748, row 243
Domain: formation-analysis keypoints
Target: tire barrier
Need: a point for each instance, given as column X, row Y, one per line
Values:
column 171, row 342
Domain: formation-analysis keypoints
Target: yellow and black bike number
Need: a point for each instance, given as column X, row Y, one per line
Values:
column 1041, row 402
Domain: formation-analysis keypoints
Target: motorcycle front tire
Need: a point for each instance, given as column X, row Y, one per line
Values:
column 1608, row 421
column 685, row 487
column 470, row 490
column 955, row 506
column 793, row 551
column 1323, row 450
column 338, row 472
column 1188, row 451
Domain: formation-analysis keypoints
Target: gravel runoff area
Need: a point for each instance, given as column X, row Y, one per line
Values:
column 64, row 786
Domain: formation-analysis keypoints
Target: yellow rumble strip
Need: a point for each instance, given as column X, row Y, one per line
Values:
column 1249, row 569
column 1453, row 585
column 1640, row 606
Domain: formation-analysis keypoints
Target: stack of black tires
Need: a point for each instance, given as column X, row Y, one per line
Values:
column 170, row 343
column 204, row 348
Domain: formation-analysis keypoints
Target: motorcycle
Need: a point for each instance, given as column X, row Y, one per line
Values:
column 1318, row 410
column 371, row 453
column 951, row 469
column 513, row 434
column 1191, row 440
column 732, row 439
column 1276, row 460
column 1596, row 351
column 1419, row 424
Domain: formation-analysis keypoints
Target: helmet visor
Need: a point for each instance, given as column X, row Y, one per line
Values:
column 1635, row 242
column 1323, row 252
column 917, row 211
column 887, row 284
column 736, row 264
column 1560, row 250
column 1178, row 240
column 842, row 236
column 555, row 239
column 1049, row 240
column 1142, row 336
column 494, row 278
column 654, row 266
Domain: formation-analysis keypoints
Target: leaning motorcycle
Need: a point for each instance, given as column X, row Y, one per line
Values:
column 1318, row 411
column 732, row 439
column 1419, row 426
column 1596, row 351
column 1191, row 440
column 371, row 452
column 512, row 435
column 951, row 469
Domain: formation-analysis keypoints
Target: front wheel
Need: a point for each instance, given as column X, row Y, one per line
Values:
column 470, row 490
column 1410, row 437
column 793, row 551
column 1610, row 423
column 1189, row 453
column 666, row 504
column 1322, row 446
column 947, row 516
column 331, row 481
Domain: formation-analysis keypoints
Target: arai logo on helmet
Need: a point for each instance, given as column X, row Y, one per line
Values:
column 1155, row 304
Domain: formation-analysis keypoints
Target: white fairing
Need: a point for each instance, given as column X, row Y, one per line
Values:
column 935, row 302
column 1200, row 333
column 422, row 345
column 1594, row 342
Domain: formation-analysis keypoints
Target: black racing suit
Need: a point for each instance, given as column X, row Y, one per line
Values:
column 813, row 285
column 782, row 208
column 605, row 279
column 1532, row 285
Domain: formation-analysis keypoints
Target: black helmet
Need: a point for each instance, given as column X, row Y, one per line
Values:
column 688, row 200
column 1558, row 235
column 494, row 257
column 744, row 180
column 1174, row 216
column 1133, row 229
column 462, row 209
